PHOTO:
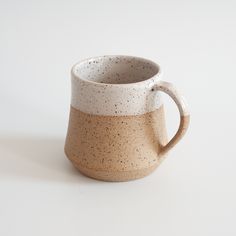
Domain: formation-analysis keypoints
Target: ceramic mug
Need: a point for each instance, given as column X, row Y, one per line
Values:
column 117, row 126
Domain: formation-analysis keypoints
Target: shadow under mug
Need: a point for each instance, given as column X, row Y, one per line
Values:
column 117, row 127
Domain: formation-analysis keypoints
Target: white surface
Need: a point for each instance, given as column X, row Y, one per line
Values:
column 192, row 193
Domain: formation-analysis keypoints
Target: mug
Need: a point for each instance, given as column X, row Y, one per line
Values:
column 117, row 126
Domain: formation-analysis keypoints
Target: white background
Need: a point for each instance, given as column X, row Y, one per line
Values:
column 192, row 193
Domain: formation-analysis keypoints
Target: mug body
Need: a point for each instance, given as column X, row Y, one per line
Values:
column 116, row 125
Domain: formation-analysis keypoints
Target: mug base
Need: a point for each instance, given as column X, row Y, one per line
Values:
column 114, row 176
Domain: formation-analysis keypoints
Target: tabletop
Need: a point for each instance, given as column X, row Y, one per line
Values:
column 192, row 192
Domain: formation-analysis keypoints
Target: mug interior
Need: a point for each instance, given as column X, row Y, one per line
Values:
column 115, row 69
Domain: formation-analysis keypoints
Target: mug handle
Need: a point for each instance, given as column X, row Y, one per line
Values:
column 169, row 89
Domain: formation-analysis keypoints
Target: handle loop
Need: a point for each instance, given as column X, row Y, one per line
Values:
column 169, row 89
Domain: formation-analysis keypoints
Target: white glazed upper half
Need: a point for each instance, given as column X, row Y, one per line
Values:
column 115, row 86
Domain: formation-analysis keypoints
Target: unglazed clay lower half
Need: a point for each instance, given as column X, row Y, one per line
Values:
column 115, row 148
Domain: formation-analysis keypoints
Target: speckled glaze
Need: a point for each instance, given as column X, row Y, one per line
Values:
column 110, row 90
column 117, row 127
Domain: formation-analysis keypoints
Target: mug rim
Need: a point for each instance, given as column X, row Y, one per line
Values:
column 153, row 78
